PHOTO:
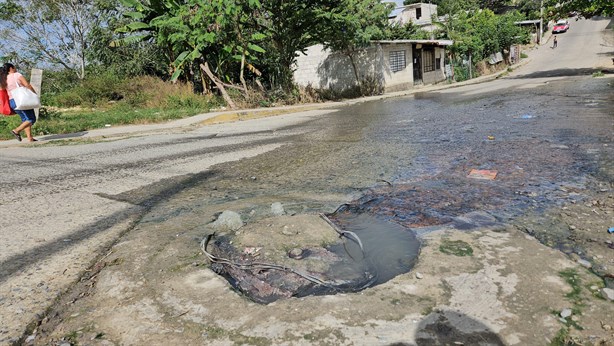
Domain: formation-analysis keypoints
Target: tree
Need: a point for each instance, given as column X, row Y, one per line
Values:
column 55, row 31
column 220, row 35
column 291, row 26
column 585, row 8
column 351, row 25
column 397, row 31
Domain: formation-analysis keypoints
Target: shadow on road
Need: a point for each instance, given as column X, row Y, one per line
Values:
column 66, row 135
column 453, row 328
column 566, row 72
column 143, row 200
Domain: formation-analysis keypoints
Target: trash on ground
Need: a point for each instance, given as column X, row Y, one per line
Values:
column 485, row 174
column 491, row 138
column 611, row 230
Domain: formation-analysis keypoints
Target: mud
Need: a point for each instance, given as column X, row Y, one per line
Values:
column 402, row 161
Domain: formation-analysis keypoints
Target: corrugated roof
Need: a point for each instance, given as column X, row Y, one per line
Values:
column 433, row 42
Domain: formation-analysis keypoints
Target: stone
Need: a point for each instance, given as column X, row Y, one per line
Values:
column 606, row 327
column 565, row 313
column 608, row 293
column 419, row 276
column 296, row 253
column 277, row 209
column 228, row 221
column 287, row 231
column 585, row 263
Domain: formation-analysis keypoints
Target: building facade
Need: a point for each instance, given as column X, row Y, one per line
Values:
column 392, row 65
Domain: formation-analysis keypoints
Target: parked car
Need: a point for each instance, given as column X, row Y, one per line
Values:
column 560, row 26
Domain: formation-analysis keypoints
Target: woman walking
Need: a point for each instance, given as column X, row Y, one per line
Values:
column 10, row 80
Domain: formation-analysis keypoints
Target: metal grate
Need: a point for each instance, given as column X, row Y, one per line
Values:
column 397, row 60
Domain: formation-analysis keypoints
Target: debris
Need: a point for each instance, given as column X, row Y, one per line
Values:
column 491, row 138
column 482, row 174
column 527, row 116
column 611, row 230
column 252, row 250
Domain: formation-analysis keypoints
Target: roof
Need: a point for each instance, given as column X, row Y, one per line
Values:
column 427, row 42
column 528, row 22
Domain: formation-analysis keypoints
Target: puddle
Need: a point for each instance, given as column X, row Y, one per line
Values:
column 389, row 249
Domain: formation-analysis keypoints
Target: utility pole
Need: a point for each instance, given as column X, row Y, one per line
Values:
column 541, row 22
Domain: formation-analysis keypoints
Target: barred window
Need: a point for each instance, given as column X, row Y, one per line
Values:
column 428, row 55
column 397, row 60
column 437, row 63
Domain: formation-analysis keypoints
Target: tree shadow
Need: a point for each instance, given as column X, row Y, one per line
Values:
column 336, row 72
column 142, row 200
column 452, row 328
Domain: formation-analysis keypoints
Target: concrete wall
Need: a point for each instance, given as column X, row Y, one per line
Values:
column 409, row 14
column 400, row 80
column 323, row 69
column 439, row 75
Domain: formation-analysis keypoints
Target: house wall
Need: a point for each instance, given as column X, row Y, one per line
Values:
column 323, row 69
column 400, row 80
column 437, row 75
column 409, row 14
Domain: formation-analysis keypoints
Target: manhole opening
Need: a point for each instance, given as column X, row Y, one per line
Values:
column 369, row 252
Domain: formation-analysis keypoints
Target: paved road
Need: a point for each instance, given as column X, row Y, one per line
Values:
column 61, row 206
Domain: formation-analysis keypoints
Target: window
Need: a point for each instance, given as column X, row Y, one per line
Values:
column 428, row 55
column 418, row 13
column 437, row 63
column 397, row 60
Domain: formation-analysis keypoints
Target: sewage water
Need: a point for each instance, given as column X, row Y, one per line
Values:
column 388, row 249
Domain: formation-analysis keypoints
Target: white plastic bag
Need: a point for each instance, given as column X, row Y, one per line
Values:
column 25, row 99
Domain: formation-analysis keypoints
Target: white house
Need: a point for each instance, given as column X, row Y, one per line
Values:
column 393, row 65
column 421, row 14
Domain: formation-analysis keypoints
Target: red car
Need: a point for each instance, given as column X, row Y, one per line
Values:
column 560, row 26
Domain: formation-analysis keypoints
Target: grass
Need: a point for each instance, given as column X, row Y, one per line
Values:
column 145, row 100
column 456, row 248
column 79, row 120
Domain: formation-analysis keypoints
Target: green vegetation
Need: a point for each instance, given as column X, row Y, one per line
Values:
column 572, row 278
column 456, row 248
column 562, row 338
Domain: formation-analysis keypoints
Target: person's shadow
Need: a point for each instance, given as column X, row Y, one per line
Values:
column 453, row 328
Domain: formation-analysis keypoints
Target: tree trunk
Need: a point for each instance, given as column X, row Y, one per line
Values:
column 355, row 69
column 219, row 84
column 241, row 78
